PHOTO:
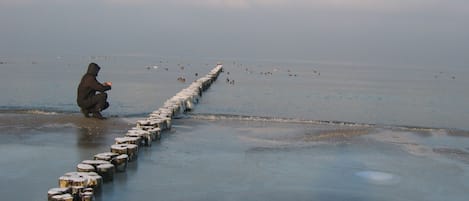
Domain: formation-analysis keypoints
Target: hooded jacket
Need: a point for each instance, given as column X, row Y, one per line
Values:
column 89, row 86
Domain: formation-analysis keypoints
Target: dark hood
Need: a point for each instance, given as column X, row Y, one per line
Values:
column 93, row 69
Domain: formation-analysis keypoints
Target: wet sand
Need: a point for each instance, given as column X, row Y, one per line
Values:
column 239, row 160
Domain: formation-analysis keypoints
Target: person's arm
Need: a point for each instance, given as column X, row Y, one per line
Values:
column 94, row 84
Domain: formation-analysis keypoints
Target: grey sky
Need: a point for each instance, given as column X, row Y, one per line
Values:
column 418, row 32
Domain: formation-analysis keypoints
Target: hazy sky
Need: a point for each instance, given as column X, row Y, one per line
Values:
column 420, row 32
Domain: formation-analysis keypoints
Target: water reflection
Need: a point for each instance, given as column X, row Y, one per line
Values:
column 92, row 132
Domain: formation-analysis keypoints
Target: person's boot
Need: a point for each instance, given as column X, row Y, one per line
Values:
column 98, row 115
column 85, row 112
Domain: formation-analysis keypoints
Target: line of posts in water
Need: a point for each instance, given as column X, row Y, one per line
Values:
column 91, row 174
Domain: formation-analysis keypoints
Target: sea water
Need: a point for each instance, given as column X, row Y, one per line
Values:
column 384, row 94
column 423, row 96
column 265, row 130
column 140, row 84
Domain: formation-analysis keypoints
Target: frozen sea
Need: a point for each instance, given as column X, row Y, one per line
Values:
column 265, row 130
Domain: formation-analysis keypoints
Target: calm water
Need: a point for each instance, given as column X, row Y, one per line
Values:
column 140, row 85
column 421, row 96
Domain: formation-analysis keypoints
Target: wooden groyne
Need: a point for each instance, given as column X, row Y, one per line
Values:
column 91, row 174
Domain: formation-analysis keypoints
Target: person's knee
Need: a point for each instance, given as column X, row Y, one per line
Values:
column 102, row 96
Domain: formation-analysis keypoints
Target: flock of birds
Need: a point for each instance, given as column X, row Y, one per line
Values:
column 290, row 73
column 443, row 74
column 229, row 80
column 275, row 70
column 181, row 67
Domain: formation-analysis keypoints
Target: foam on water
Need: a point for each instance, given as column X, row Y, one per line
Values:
column 270, row 119
column 213, row 117
column 40, row 112
column 58, row 125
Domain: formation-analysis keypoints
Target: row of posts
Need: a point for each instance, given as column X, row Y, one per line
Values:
column 91, row 174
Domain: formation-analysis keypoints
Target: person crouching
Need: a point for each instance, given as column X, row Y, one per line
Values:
column 91, row 96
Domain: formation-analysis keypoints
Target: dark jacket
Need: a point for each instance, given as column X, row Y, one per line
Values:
column 89, row 86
